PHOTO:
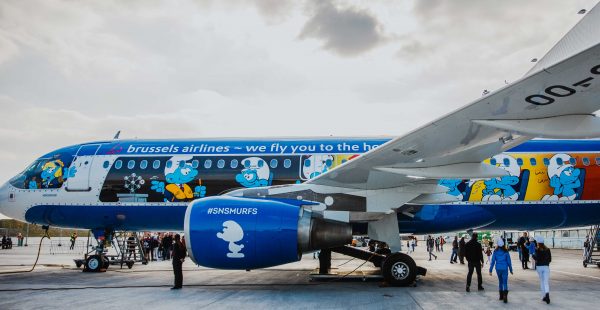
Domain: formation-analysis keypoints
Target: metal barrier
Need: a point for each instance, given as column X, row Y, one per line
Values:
column 64, row 247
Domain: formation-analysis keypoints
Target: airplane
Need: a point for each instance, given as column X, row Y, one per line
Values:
column 255, row 203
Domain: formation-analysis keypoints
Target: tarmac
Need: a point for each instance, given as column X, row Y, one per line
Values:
column 57, row 283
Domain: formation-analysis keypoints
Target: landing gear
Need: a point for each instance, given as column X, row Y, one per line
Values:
column 399, row 269
column 96, row 263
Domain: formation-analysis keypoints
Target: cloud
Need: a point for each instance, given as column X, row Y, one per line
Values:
column 273, row 11
column 347, row 31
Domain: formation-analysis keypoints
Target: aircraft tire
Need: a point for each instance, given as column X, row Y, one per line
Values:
column 399, row 269
column 93, row 263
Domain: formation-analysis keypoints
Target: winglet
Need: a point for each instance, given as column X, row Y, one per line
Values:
column 582, row 36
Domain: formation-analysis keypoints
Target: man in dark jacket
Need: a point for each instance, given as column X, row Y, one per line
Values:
column 179, row 254
column 461, row 250
column 474, row 255
column 167, row 243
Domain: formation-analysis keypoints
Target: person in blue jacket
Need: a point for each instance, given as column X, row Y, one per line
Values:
column 531, row 247
column 501, row 259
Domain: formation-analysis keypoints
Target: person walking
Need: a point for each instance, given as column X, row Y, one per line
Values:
column 525, row 254
column 454, row 254
column 531, row 249
column 520, row 244
column 461, row 250
column 543, row 257
column 430, row 244
column 413, row 244
column 179, row 254
column 501, row 260
column 474, row 256
column 442, row 242
column 488, row 253
column 73, row 239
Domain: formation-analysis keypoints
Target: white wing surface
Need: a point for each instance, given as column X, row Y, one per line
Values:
column 556, row 101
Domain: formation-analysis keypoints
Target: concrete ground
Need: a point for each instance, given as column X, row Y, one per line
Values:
column 56, row 283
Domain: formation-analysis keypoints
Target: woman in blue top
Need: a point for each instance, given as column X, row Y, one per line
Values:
column 501, row 259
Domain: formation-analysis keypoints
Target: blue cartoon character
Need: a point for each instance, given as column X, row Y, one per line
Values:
column 33, row 184
column 564, row 178
column 452, row 185
column 54, row 174
column 178, row 172
column 255, row 173
column 316, row 165
column 501, row 188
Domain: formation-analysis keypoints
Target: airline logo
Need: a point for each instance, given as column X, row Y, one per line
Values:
column 232, row 233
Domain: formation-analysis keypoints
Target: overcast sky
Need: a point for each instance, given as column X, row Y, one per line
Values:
column 75, row 71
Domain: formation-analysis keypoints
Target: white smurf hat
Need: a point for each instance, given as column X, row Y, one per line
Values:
column 554, row 168
column 539, row 239
column 500, row 242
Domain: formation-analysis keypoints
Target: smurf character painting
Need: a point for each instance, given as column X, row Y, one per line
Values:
column 232, row 233
column 255, row 173
column 501, row 188
column 316, row 165
column 179, row 172
column 564, row 178
column 54, row 174
column 452, row 185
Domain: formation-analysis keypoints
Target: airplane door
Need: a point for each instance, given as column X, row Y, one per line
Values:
column 82, row 163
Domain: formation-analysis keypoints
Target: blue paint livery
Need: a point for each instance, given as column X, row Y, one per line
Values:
column 270, row 232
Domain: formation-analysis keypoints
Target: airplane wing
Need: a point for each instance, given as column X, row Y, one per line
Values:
column 553, row 101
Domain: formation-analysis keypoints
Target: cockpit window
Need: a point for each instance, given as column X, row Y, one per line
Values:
column 50, row 171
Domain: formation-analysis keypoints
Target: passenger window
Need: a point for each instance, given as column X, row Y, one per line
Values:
column 520, row 161
column 506, row 162
column 169, row 164
column 105, row 164
column 207, row 164
column 118, row 164
column 546, row 162
column 273, row 163
column 573, row 161
column 493, row 162
column 156, row 164
column 598, row 161
column 559, row 161
column 287, row 163
column 532, row 161
column 586, row 161
column 195, row 163
column 233, row 164
column 144, row 164
column 131, row 164
column 220, row 164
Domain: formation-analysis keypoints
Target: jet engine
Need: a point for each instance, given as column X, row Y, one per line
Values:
column 247, row 233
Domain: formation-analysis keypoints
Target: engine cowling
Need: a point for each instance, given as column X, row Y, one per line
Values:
column 245, row 233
